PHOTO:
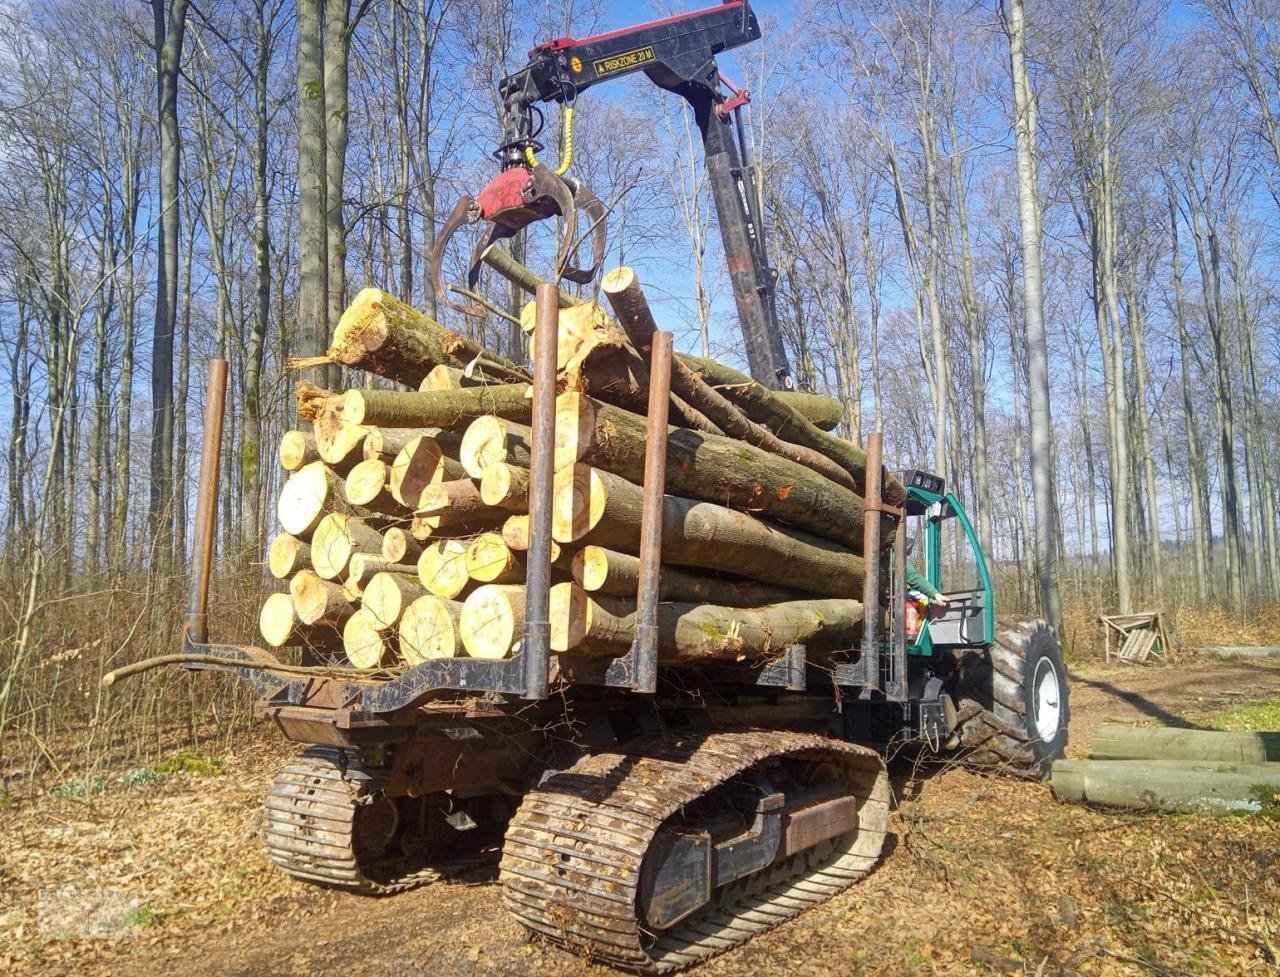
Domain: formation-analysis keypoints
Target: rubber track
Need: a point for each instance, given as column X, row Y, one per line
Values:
column 310, row 812
column 571, row 861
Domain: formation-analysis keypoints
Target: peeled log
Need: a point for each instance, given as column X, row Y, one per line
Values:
column 493, row 440
column 388, row 594
column 429, row 629
column 337, row 538
column 603, row 571
column 287, row 556
column 492, row 620
column 297, row 448
column 319, row 601
column 366, row 642
column 714, row 469
column 442, row 568
column 449, row 409
column 305, row 497
column 1168, row 785
column 491, row 560
column 420, row 463
column 399, row 546
column 591, row 506
column 505, row 486
column 383, row 335
column 1111, row 742
column 691, row 634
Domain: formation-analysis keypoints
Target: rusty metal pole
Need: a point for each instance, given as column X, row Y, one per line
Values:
column 196, row 626
column 871, row 510
column 536, row 646
column 644, row 653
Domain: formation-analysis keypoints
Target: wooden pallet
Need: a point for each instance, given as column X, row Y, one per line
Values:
column 1139, row 637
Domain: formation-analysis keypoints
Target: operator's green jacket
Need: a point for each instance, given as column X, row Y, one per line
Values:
column 916, row 581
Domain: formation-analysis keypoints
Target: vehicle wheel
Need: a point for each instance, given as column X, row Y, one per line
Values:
column 1012, row 703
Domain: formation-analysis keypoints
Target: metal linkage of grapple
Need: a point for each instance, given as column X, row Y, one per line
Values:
column 514, row 199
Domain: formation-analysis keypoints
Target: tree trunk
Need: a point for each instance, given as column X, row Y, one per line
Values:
column 600, row 570
column 1042, row 473
column 313, row 268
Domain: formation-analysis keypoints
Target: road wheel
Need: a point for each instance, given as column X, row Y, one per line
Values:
column 1012, row 701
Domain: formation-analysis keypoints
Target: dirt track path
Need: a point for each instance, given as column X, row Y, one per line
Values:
column 980, row 866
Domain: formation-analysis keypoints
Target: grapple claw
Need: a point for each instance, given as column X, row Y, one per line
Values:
column 514, row 199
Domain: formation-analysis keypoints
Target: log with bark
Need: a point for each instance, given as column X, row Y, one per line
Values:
column 447, row 409
column 1114, row 742
column 365, row 566
column 591, row 506
column 279, row 623
column 690, row 634
column 368, row 485
column 380, row 334
column 603, row 571
column 305, row 497
column 420, row 463
column 505, row 486
column 1213, row 787
column 711, row 468
column 399, row 546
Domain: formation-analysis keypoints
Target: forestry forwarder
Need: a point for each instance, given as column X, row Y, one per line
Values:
column 646, row 818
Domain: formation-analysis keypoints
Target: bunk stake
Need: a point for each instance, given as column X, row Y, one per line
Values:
column 644, row 652
column 196, row 626
column 871, row 508
column 536, row 646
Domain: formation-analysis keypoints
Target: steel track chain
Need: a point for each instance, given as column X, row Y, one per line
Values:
column 572, row 857
column 310, row 812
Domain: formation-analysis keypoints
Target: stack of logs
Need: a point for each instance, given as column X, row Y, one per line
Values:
column 405, row 521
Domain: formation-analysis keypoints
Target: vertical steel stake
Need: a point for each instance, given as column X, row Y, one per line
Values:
column 536, row 647
column 196, row 626
column 644, row 652
column 871, row 504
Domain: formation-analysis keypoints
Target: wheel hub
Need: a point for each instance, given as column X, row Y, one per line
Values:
column 1046, row 700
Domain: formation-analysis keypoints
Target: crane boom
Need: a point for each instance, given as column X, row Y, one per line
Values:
column 679, row 54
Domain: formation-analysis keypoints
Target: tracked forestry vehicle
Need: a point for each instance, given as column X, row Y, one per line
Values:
column 651, row 804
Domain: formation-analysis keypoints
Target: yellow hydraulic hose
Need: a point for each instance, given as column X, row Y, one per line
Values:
column 566, row 143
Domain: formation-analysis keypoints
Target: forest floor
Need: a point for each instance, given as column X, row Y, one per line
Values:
column 161, row 870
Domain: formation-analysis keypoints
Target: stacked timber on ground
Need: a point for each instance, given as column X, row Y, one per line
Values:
column 1176, row 770
column 405, row 512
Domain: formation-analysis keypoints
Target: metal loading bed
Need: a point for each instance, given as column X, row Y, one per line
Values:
column 354, row 702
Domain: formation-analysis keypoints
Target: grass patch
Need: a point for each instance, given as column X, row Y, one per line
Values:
column 189, row 761
column 144, row 915
column 1253, row 718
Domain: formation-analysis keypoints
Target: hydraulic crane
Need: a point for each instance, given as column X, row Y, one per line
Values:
column 676, row 53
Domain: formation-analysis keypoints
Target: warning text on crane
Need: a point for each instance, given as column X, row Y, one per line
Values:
column 623, row 62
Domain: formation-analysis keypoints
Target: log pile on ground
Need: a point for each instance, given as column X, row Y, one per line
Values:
column 1176, row 770
column 404, row 513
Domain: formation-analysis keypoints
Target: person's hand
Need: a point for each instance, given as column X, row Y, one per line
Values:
column 942, row 600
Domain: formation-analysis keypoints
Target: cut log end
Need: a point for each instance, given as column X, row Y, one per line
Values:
column 278, row 621
column 578, row 503
column 492, row 620
column 492, row 440
column 317, row 600
column 429, row 629
column 505, row 486
column 297, row 448
column 442, row 568
column 491, row 560
column 304, row 497
column 287, row 555
column 365, row 641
